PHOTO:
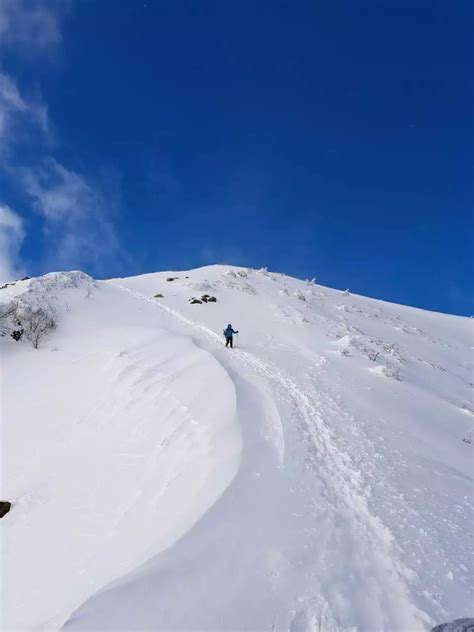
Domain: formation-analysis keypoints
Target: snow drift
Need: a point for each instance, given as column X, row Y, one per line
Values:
column 111, row 452
column 318, row 477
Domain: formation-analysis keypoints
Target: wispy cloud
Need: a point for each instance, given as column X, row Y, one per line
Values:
column 11, row 238
column 11, row 99
column 77, row 215
column 31, row 26
column 16, row 111
column 63, row 195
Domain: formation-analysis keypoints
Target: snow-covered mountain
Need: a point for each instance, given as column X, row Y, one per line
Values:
column 317, row 477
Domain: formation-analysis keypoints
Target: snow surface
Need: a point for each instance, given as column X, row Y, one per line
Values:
column 317, row 477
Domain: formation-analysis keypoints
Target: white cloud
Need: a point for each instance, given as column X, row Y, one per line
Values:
column 11, row 238
column 76, row 214
column 11, row 103
column 62, row 195
column 18, row 116
column 30, row 26
column 10, row 94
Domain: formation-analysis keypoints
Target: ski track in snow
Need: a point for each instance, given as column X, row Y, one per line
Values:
column 380, row 582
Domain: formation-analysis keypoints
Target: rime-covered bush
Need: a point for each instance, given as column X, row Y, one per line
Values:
column 7, row 316
column 36, row 322
column 7, row 310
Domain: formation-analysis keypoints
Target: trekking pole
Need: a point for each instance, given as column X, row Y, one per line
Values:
column 237, row 340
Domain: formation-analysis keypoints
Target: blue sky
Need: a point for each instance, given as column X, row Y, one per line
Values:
column 322, row 139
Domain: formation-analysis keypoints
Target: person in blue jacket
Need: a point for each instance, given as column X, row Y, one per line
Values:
column 229, row 336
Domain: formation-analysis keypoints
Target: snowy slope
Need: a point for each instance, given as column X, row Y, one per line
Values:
column 110, row 452
column 315, row 478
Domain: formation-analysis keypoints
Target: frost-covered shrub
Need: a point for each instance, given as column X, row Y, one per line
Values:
column 244, row 287
column 34, row 314
column 7, row 316
column 391, row 371
column 467, row 409
column 458, row 625
column 204, row 286
column 36, row 322
column 299, row 295
column 7, row 311
column 54, row 281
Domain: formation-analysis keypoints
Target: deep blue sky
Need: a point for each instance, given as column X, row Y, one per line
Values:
column 331, row 139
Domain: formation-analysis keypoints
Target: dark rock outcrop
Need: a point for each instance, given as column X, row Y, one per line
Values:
column 205, row 298
column 5, row 507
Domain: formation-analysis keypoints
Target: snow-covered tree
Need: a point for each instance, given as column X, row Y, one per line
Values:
column 36, row 323
column 7, row 314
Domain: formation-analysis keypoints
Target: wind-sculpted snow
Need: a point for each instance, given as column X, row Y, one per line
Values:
column 352, row 506
column 348, row 484
column 112, row 451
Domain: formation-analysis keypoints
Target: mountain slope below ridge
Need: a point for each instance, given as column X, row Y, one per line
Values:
column 352, row 505
column 98, row 485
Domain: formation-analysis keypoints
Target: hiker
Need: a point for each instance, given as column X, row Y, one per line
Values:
column 229, row 336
